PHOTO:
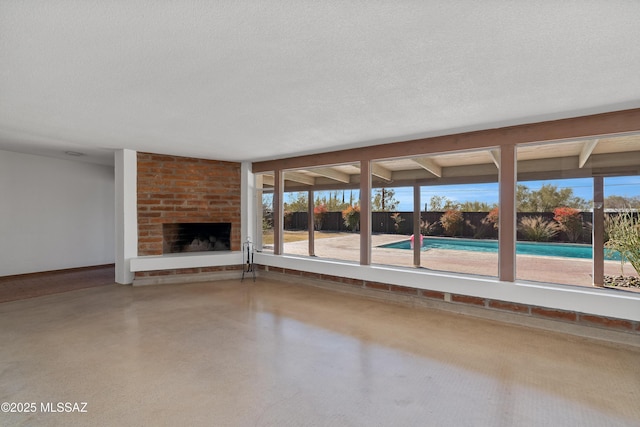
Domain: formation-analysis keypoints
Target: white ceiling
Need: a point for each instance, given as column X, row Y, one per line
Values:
column 255, row 80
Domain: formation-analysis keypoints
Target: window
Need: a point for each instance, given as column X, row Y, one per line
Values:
column 264, row 212
column 456, row 193
column 555, row 204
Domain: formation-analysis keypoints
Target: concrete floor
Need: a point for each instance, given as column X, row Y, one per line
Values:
column 52, row 282
column 279, row 354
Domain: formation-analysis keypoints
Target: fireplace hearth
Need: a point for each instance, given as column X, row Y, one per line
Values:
column 196, row 237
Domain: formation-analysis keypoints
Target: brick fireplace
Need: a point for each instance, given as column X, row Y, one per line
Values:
column 196, row 237
column 179, row 190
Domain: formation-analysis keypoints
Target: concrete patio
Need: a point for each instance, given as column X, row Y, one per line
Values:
column 570, row 271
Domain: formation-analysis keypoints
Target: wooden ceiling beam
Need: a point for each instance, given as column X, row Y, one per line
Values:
column 495, row 156
column 267, row 180
column 334, row 174
column 585, row 153
column 429, row 165
column 299, row 177
column 381, row 172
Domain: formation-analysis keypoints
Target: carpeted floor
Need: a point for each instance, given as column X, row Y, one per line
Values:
column 25, row 286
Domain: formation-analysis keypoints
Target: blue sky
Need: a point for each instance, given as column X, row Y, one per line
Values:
column 628, row 186
column 488, row 193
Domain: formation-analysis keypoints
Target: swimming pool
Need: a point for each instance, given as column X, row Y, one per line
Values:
column 566, row 250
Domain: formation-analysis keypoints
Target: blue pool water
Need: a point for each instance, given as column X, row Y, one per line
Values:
column 566, row 250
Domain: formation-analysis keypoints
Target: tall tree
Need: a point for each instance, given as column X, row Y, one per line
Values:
column 476, row 206
column 384, row 200
column 442, row 203
column 622, row 202
column 333, row 203
column 296, row 202
column 547, row 198
column 267, row 202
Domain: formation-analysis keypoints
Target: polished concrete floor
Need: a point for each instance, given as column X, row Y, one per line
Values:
column 52, row 282
column 280, row 354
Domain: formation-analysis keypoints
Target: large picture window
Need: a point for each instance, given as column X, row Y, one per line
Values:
column 441, row 211
column 446, row 212
column 320, row 212
column 557, row 205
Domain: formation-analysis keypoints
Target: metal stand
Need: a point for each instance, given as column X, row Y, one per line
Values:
column 248, row 249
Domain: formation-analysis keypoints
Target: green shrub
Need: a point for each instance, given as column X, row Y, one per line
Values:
column 397, row 221
column 624, row 237
column 451, row 222
column 351, row 217
column 318, row 213
column 570, row 221
column 427, row 228
column 488, row 225
column 588, row 229
column 537, row 229
column 267, row 224
column 492, row 218
column 608, row 223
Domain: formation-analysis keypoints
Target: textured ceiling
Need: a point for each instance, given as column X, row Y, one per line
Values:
column 256, row 80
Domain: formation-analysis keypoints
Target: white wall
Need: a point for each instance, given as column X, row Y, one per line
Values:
column 54, row 214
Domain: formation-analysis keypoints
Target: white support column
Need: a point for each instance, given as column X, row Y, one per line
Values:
column 248, row 212
column 126, row 203
column 278, row 212
column 259, row 212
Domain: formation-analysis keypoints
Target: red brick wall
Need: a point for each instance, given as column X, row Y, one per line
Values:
column 182, row 189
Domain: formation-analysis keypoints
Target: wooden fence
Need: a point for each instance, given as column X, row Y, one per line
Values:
column 382, row 222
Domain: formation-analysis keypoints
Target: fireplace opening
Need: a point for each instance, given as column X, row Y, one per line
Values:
column 196, row 237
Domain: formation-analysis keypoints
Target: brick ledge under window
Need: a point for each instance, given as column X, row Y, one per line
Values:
column 531, row 311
